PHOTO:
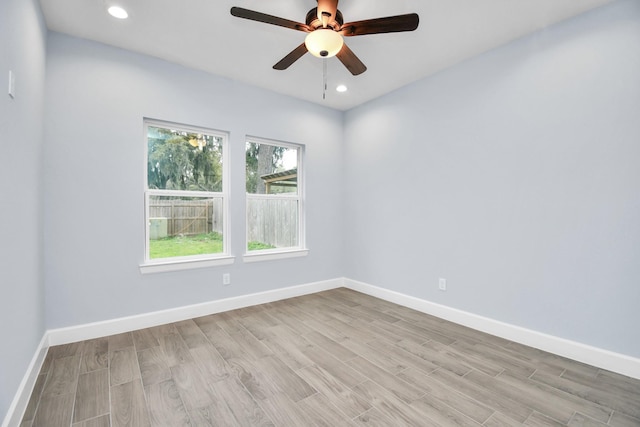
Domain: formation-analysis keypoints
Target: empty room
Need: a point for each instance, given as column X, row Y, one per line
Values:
column 312, row 212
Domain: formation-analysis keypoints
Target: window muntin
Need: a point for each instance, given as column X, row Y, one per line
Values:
column 274, row 199
column 186, row 193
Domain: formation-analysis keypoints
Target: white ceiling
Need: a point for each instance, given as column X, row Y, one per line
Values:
column 202, row 34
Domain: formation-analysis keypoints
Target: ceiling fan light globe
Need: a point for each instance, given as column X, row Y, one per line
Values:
column 323, row 43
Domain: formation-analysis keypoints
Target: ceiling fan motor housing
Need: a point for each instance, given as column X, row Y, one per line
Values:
column 314, row 22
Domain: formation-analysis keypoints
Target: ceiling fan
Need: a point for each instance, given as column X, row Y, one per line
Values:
column 325, row 27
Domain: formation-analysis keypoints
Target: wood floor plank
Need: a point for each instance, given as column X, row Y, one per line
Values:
column 338, row 369
column 54, row 410
column 102, row 421
column 601, row 382
column 288, row 346
column 120, row 341
column 165, row 405
column 283, row 411
column 492, row 355
column 338, row 351
column 500, row 420
column 322, row 412
column 291, row 316
column 214, row 416
column 95, row 355
column 249, row 345
column 623, row 404
column 191, row 334
column 621, row 420
column 92, row 396
column 154, row 367
column 403, row 357
column 559, row 397
column 373, row 418
column 175, row 349
column 582, row 420
column 63, row 376
column 426, row 333
column 286, row 379
column 529, row 397
column 128, row 405
column 211, row 363
column 144, row 339
column 192, row 387
column 232, row 395
column 435, row 357
column 65, row 350
column 442, row 414
column 395, row 385
column 496, row 401
column 123, row 366
column 335, row 391
column 397, row 333
column 486, row 366
column 448, row 395
column 30, row 411
column 393, row 407
column 538, row 420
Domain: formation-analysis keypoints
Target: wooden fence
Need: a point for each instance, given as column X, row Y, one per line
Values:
column 187, row 217
column 270, row 221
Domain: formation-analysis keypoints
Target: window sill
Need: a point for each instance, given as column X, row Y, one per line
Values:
column 164, row 266
column 259, row 256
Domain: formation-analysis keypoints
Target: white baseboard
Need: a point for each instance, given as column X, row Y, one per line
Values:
column 147, row 320
column 604, row 359
column 21, row 399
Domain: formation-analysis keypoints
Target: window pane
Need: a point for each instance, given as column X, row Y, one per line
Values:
column 181, row 160
column 184, row 226
column 271, row 169
column 271, row 223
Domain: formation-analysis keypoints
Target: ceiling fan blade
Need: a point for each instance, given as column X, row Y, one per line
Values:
column 351, row 61
column 390, row 24
column 269, row 19
column 292, row 57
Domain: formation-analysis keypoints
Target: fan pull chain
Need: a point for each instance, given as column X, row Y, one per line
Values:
column 324, row 79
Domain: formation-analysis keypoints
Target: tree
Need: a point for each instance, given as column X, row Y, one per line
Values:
column 179, row 160
column 261, row 159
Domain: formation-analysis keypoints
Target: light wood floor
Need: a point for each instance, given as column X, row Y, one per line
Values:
column 337, row 358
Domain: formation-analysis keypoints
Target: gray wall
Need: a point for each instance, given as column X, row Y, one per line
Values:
column 22, row 44
column 96, row 99
column 515, row 176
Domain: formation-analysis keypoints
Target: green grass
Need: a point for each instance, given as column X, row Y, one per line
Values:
column 174, row 246
column 256, row 246
column 200, row 244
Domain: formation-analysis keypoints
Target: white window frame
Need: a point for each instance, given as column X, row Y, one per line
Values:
column 193, row 261
column 289, row 252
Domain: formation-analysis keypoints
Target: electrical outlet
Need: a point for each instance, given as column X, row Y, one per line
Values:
column 442, row 284
column 226, row 279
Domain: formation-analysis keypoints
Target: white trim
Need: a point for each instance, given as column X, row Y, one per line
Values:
column 605, row 359
column 161, row 267
column 23, row 394
column 271, row 255
column 131, row 323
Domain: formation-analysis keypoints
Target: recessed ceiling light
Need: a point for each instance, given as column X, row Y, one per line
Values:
column 118, row 12
column 341, row 88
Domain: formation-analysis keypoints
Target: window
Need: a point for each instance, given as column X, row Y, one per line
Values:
column 185, row 195
column 274, row 198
